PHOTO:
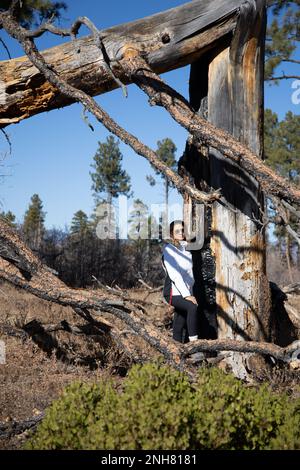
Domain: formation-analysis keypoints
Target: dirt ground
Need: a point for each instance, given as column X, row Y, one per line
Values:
column 38, row 366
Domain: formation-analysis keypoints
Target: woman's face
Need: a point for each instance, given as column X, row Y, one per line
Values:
column 178, row 233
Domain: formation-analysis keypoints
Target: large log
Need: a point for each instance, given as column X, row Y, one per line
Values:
column 167, row 40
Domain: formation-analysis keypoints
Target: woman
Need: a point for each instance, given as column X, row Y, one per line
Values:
column 178, row 289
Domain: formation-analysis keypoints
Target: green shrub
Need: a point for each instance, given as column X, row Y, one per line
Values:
column 68, row 418
column 288, row 435
column 159, row 408
column 232, row 416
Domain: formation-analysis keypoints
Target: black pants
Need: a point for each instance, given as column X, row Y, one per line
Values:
column 186, row 319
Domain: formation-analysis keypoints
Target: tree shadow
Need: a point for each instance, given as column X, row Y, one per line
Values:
column 49, row 344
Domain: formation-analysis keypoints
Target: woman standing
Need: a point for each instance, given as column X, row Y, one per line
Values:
column 178, row 289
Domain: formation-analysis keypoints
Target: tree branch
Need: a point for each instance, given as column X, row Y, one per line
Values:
column 20, row 267
column 20, row 34
column 282, row 212
column 161, row 94
column 293, row 61
column 5, row 47
column 286, row 354
column 14, row 428
column 38, row 280
column 291, row 209
column 283, row 77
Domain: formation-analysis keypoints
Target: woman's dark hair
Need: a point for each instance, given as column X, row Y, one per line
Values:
column 172, row 226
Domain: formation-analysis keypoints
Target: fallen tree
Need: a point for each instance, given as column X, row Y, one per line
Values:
column 20, row 267
column 23, row 269
column 166, row 43
column 137, row 69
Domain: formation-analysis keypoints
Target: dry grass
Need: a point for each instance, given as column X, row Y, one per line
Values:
column 38, row 367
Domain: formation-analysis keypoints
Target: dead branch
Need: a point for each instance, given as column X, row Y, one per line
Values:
column 39, row 281
column 291, row 209
column 144, row 284
column 292, row 288
column 170, row 39
column 123, row 294
column 282, row 211
column 20, row 267
column 287, row 354
column 161, row 94
column 14, row 428
column 12, row 27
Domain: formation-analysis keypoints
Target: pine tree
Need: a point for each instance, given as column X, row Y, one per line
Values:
column 282, row 152
column 9, row 218
column 33, row 224
column 80, row 223
column 142, row 229
column 109, row 177
column 138, row 221
column 33, row 12
column 283, row 37
column 80, row 250
column 166, row 150
column 282, row 144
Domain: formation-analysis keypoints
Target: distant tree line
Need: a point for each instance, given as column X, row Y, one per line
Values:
column 78, row 254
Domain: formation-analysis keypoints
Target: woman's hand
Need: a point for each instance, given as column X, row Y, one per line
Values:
column 192, row 299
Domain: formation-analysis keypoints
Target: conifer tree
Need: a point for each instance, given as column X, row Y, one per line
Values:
column 282, row 144
column 33, row 224
column 138, row 221
column 143, row 235
column 283, row 37
column 166, row 150
column 109, row 179
column 80, row 223
column 282, row 152
column 9, row 218
column 32, row 12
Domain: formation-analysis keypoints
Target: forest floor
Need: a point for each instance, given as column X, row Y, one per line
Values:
column 38, row 366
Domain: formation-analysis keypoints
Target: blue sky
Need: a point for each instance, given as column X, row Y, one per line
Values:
column 52, row 152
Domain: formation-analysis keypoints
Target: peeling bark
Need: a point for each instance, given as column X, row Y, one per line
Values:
column 168, row 40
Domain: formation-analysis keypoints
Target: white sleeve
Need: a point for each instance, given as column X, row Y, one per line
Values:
column 174, row 271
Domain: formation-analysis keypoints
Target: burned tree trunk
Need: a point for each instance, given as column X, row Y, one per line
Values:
column 230, row 84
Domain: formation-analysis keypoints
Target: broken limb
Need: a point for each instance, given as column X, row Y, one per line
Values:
column 14, row 428
column 286, row 354
column 165, row 38
column 161, row 94
column 15, row 30
column 282, row 211
column 38, row 280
